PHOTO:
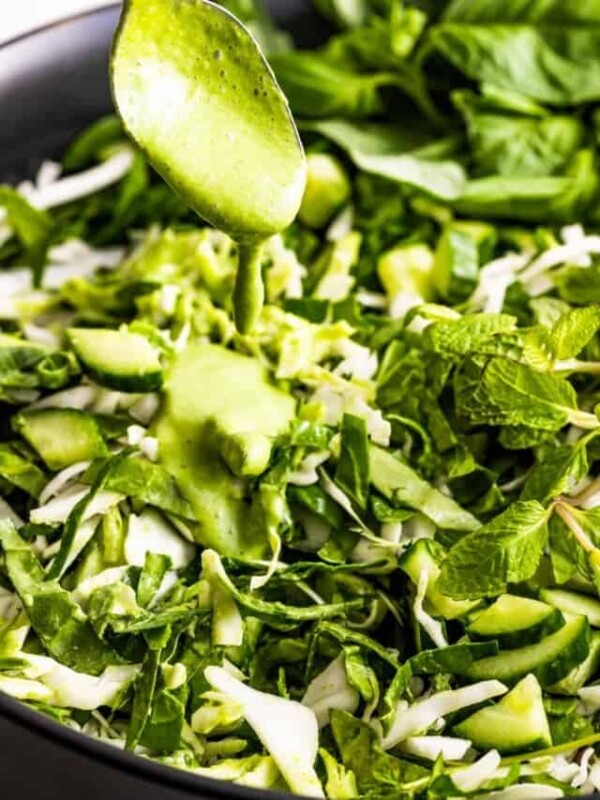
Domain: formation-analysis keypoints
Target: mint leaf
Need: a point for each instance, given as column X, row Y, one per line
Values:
column 573, row 331
column 569, row 557
column 558, row 471
column 506, row 550
column 504, row 392
column 470, row 334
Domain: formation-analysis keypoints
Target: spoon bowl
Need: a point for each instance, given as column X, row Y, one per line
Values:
column 198, row 97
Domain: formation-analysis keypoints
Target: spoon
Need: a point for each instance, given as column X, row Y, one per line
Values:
column 197, row 96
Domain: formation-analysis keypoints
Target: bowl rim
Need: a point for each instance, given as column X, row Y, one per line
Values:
column 67, row 738
column 64, row 19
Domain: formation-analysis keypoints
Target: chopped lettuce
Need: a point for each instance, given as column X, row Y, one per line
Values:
column 280, row 584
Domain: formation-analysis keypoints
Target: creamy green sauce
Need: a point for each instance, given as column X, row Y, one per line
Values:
column 196, row 94
column 220, row 417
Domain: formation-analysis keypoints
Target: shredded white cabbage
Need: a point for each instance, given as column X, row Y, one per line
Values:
column 494, row 280
column 6, row 510
column 79, row 397
column 420, row 716
column 227, row 623
column 337, row 282
column 151, row 533
column 525, row 791
column 107, row 577
column 255, row 772
column 288, row 730
column 48, row 172
column 59, row 507
column 590, row 696
column 306, row 474
column 316, row 530
column 331, row 690
column 10, row 606
column 286, row 273
column 76, row 259
column 74, row 187
column 358, row 362
column 61, row 479
column 24, row 689
column 70, row 689
column 433, row 627
column 403, row 302
column 145, row 408
column 471, row 778
column 431, row 747
column 342, row 224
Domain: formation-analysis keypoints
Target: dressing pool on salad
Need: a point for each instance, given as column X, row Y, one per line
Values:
column 221, row 416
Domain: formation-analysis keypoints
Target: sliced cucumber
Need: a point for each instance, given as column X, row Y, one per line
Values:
column 61, row 436
column 516, row 621
column 422, row 557
column 550, row 660
column 582, row 674
column 120, row 360
column 573, row 603
column 516, row 724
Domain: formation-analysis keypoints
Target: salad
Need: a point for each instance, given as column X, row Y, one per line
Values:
column 354, row 553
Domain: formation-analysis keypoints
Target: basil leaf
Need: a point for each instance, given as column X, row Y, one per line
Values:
column 344, row 13
column 534, row 145
column 89, row 146
column 390, row 152
column 144, row 689
column 164, row 724
column 557, row 65
column 557, row 198
column 317, row 87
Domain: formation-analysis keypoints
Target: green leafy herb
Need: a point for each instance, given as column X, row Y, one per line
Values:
column 506, row 550
column 352, row 473
column 402, row 485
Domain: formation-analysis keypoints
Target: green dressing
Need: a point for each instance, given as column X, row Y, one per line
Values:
column 220, row 417
column 196, row 94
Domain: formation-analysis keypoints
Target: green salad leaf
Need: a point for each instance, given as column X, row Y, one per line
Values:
column 354, row 553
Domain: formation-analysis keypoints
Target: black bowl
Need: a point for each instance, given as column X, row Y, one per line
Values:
column 53, row 82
